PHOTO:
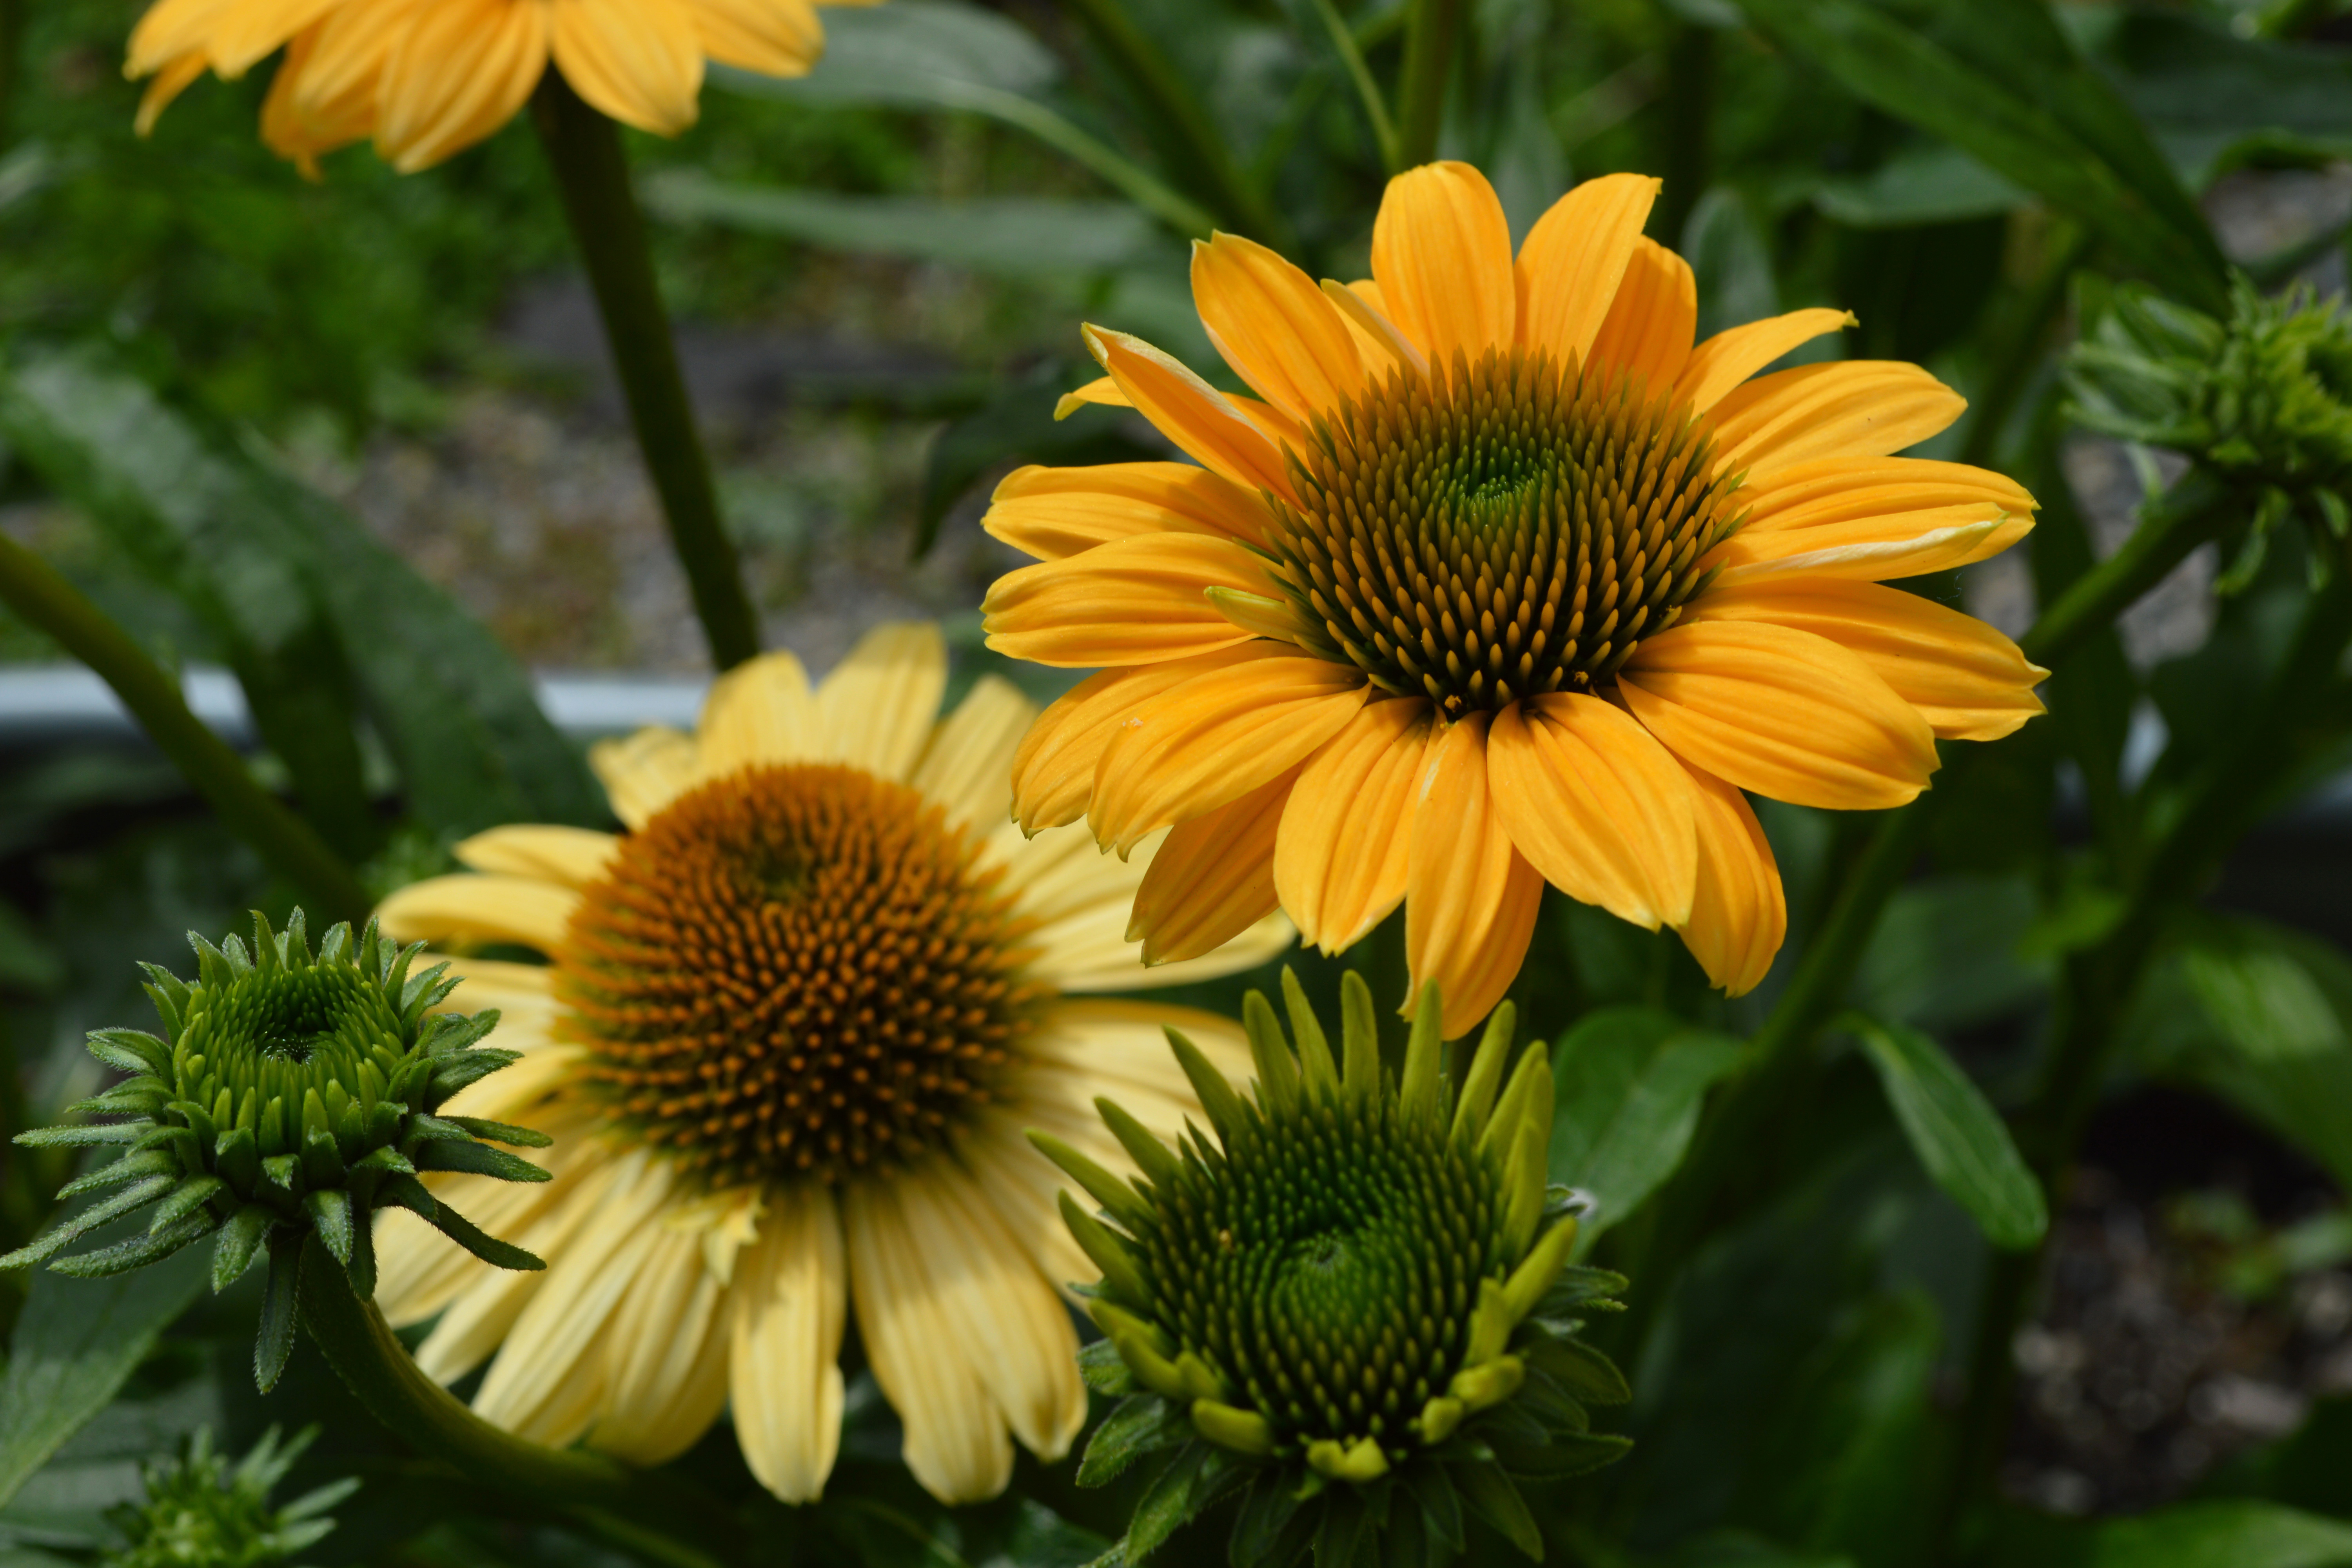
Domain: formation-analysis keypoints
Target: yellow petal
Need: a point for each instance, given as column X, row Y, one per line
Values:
column 1380, row 345
column 573, row 857
column 460, row 70
column 1054, row 772
column 1860, row 553
column 306, row 129
column 1214, row 879
column 1275, row 327
column 1826, row 509
column 247, row 34
column 1102, row 391
column 172, row 79
column 1470, row 897
column 1133, row 600
column 1968, row 680
column 1216, row 737
column 1082, row 900
column 1441, row 253
column 1738, row 916
column 761, row 711
column 637, row 61
column 170, row 31
column 1734, row 354
column 1856, row 408
column 1055, row 513
column 773, row 37
column 1596, row 804
column 1647, row 334
column 478, row 909
column 788, row 1304
column 1340, row 857
column 1574, row 260
column 1781, row 712
column 1202, row 422
column 644, row 771
column 665, row 1356
column 877, row 708
column 967, row 766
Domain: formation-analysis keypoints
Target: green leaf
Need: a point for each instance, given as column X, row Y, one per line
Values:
column 1959, row 1139
column 1629, row 1082
column 1142, row 1423
column 2260, row 990
column 2238, row 1533
column 1929, row 182
column 1999, row 79
column 1493, row 1498
column 76, row 1342
column 2214, row 99
column 1732, row 265
column 913, row 54
column 1945, row 954
column 1175, row 1495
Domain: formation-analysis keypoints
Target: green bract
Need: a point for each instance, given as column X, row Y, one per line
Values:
column 200, row 1514
column 1353, row 1306
column 2262, row 401
column 288, row 1095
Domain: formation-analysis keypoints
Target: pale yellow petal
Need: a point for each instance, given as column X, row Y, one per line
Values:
column 665, row 1355
column 789, row 1304
column 474, row 908
column 967, row 766
column 644, row 771
column 878, row 707
column 571, row 857
column 759, row 712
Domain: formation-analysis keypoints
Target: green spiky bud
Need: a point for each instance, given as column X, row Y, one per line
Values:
column 1357, row 1289
column 290, row 1095
column 203, row 1510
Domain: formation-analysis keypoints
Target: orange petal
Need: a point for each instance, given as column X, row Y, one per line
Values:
column 1275, row 327
column 1379, row 344
column 1199, row 419
column 773, row 37
column 1101, row 390
column 1053, row 512
column 1596, row 804
column 1782, row 712
column 1738, row 916
column 172, row 79
column 461, row 69
column 1213, row 879
column 1575, row 258
column 1133, row 600
column 247, row 34
column 1879, row 549
column 1340, row 860
column 1053, row 771
column 1216, row 737
column 1968, row 680
column 168, row 33
column 1855, row 408
column 337, row 67
column 1734, row 354
column 1442, row 252
column 1470, row 897
column 1833, row 489
column 1648, row 329
column 637, row 61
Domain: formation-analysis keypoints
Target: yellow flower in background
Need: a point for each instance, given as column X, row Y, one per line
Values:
column 1498, row 581
column 791, row 1029
column 427, row 79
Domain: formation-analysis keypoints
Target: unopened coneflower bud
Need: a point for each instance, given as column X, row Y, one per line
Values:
column 203, row 1508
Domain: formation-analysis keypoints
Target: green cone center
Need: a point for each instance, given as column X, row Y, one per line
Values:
column 275, row 1034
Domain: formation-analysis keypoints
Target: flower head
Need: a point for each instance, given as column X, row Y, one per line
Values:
column 428, row 80
column 790, row 1026
column 202, row 1513
column 289, row 1094
column 1355, row 1298
column 1498, row 581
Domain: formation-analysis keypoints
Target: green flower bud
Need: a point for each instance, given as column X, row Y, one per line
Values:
column 1352, row 1298
column 201, row 1512
column 290, row 1095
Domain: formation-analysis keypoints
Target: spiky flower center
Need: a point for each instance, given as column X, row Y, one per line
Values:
column 1328, row 1262
column 1497, row 529
column 253, row 1050
column 797, row 970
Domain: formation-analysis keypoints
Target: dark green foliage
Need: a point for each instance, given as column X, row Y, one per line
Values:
column 201, row 1513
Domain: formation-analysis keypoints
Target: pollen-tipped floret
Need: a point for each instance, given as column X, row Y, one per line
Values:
column 1358, row 1278
column 290, row 1095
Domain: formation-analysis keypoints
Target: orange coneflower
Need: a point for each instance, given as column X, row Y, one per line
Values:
column 1498, row 581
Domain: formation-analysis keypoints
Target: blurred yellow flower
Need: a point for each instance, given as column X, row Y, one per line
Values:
column 1498, row 581
column 427, row 79
column 790, row 1034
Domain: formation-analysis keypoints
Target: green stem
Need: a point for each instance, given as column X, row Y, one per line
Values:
column 1384, row 135
column 2170, row 526
column 1194, row 139
column 1690, row 119
column 583, row 148
column 2018, row 350
column 1430, row 35
column 45, row 601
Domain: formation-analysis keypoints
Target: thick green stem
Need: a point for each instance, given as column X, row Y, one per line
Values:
column 1431, row 36
column 45, row 601
column 1690, row 124
column 2170, row 526
column 591, row 172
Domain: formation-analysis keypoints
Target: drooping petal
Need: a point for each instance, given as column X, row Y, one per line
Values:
column 472, row 908
column 1470, row 897
column 1881, row 550
column 1274, row 326
column 665, row 1356
column 1082, row 902
column 1738, row 916
column 1596, row 804
column 1780, row 712
column 967, row 766
column 773, row 37
column 876, row 707
column 1200, row 420
column 170, row 79
column 461, row 69
column 788, row 1304
column 170, row 31
column 1441, row 253
column 1823, row 510
column 644, row 771
column 761, row 711
column 1214, row 738
column 1574, row 260
column 1054, row 772
column 1734, row 354
column 1968, row 680
column 1850, row 408
column 1213, row 879
column 573, row 857
column 1340, row 857
column 1133, row 600
column 637, row 61
column 1101, row 391
column 1647, row 334
column 1056, row 512
column 1380, row 344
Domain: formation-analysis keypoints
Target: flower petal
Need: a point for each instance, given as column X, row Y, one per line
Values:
column 1274, row 326
column 877, row 705
column 1737, row 917
column 573, row 857
column 1213, row 879
column 1082, row 901
column 665, row 1356
column 1734, row 354
column 773, row 37
column 1441, row 253
column 1470, row 897
column 644, row 771
column 1852, row 408
column 1340, row 857
column 1647, row 332
column 1596, row 804
column 1851, row 554
column 1824, row 509
column 1054, row 772
column 788, row 1305
column 1780, row 712
column 1200, row 420
column 967, row 766
column 1574, row 260
column 1968, row 680
column 172, row 79
column 637, row 61
column 460, row 69
column 472, row 908
column 1056, row 512
column 1214, row 738
column 760, row 711
column 1133, row 600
